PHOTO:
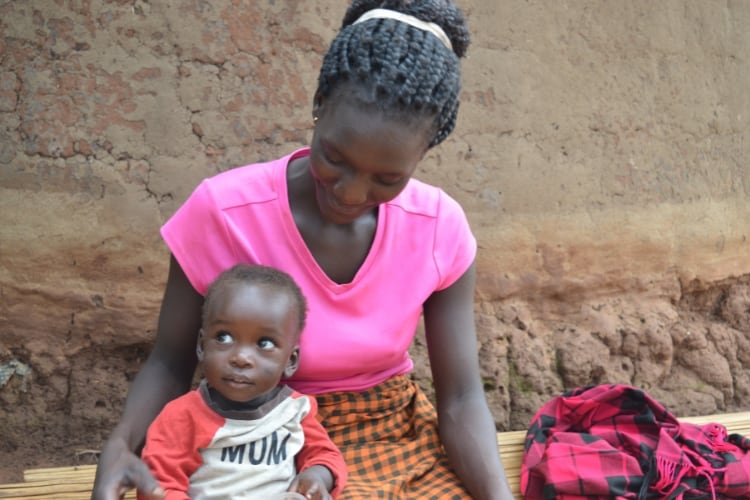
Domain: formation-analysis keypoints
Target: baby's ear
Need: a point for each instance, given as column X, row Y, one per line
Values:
column 199, row 346
column 292, row 363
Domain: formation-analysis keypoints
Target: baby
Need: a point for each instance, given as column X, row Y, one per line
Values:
column 241, row 434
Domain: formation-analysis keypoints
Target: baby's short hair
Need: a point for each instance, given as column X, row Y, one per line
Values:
column 261, row 275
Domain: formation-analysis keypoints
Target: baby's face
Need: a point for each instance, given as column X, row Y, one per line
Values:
column 249, row 341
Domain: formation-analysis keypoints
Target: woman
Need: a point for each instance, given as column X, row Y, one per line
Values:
column 371, row 248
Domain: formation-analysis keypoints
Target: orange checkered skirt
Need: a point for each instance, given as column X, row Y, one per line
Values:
column 389, row 438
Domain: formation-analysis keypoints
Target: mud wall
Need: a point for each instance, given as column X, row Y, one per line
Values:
column 601, row 155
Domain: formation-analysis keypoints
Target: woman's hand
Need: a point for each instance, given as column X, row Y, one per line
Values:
column 121, row 470
column 165, row 375
column 313, row 483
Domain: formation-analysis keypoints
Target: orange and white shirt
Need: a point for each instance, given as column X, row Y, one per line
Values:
column 199, row 451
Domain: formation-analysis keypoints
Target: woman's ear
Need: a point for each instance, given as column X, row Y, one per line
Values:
column 317, row 103
column 292, row 363
column 199, row 346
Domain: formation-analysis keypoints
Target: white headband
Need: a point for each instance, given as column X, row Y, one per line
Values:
column 410, row 20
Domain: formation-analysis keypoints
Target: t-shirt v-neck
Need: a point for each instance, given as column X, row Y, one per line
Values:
column 300, row 246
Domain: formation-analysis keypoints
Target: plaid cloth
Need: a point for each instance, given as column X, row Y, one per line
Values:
column 615, row 441
column 389, row 438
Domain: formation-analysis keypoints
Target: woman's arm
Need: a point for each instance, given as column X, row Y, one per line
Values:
column 467, row 428
column 166, row 374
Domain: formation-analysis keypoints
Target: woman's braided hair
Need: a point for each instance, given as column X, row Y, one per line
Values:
column 402, row 71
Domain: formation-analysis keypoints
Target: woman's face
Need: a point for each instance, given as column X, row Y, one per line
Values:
column 360, row 159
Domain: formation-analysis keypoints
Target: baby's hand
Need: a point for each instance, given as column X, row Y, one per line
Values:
column 313, row 483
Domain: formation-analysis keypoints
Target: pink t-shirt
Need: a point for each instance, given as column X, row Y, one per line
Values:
column 357, row 333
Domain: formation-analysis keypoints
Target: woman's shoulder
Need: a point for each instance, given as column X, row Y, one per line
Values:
column 253, row 183
column 234, row 176
column 420, row 198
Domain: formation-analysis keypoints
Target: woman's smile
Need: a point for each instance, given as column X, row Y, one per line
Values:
column 335, row 210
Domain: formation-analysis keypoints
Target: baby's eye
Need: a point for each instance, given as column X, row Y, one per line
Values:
column 224, row 338
column 267, row 344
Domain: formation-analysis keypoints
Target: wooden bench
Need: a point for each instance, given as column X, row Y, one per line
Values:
column 74, row 483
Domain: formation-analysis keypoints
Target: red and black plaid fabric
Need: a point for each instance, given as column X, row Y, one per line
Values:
column 389, row 438
column 615, row 441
